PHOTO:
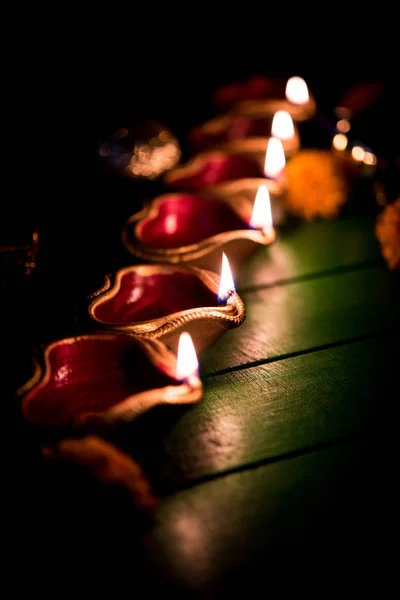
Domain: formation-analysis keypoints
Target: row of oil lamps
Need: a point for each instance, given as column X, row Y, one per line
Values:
column 148, row 322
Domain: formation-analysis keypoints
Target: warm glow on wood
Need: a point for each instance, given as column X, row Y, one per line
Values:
column 187, row 364
column 226, row 285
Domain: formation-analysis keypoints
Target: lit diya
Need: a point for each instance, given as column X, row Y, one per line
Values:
column 162, row 301
column 106, row 379
column 211, row 170
column 247, row 134
column 193, row 228
column 297, row 101
column 257, row 87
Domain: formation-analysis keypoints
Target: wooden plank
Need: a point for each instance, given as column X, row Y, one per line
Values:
column 322, row 512
column 312, row 247
column 286, row 319
column 269, row 411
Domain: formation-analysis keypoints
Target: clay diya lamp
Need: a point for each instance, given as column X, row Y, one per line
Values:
column 297, row 101
column 215, row 166
column 273, row 178
column 162, row 301
column 188, row 228
column 257, row 87
column 246, row 134
column 104, row 379
column 214, row 170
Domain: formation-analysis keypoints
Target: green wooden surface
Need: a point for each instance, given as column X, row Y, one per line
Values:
column 288, row 464
column 304, row 315
column 261, row 413
column 310, row 248
column 312, row 513
column 285, row 463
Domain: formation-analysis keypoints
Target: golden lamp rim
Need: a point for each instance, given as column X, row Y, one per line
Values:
column 236, row 187
column 255, row 143
column 193, row 164
column 134, row 404
column 192, row 251
column 269, row 106
column 258, row 145
column 232, row 313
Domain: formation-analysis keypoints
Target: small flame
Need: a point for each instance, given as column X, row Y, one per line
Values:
column 187, row 364
column 282, row 125
column 340, row 141
column 226, row 285
column 297, row 91
column 274, row 158
column 262, row 215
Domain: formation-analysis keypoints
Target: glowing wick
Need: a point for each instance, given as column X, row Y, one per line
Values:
column 226, row 285
column 282, row 125
column 274, row 158
column 187, row 365
column 297, row 91
column 262, row 215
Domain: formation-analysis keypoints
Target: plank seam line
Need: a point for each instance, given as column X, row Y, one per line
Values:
column 295, row 354
column 265, row 462
column 368, row 264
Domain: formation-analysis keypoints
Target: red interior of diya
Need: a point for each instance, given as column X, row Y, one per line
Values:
column 145, row 297
column 215, row 169
column 187, row 219
column 89, row 376
column 255, row 88
column 238, row 128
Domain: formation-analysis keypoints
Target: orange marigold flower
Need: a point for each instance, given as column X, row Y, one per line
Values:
column 317, row 184
column 388, row 233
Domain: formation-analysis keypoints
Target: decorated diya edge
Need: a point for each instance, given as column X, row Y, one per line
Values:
column 258, row 145
column 232, row 313
column 182, row 393
column 193, row 166
column 238, row 146
column 231, row 189
column 182, row 254
column 216, row 125
column 269, row 106
column 137, row 404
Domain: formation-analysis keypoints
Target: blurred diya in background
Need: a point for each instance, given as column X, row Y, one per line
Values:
column 145, row 151
column 234, row 133
column 214, row 166
column 263, row 96
column 209, row 169
column 162, row 301
column 213, row 172
column 194, row 228
column 106, row 379
column 255, row 88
